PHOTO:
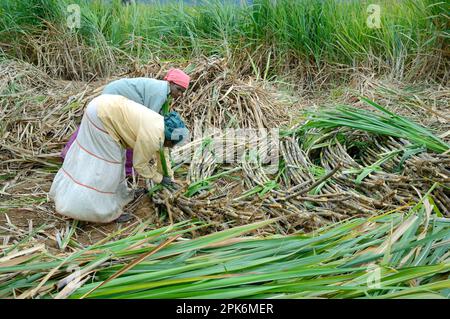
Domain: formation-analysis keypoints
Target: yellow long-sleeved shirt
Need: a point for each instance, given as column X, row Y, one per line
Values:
column 134, row 126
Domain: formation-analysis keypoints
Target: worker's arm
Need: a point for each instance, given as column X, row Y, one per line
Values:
column 158, row 101
column 153, row 92
column 144, row 151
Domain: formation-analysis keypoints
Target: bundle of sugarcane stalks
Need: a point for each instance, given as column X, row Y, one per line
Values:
column 329, row 168
column 222, row 98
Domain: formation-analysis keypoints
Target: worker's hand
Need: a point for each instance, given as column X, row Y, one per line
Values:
column 167, row 181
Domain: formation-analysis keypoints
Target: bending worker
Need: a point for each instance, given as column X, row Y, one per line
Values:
column 91, row 184
column 151, row 93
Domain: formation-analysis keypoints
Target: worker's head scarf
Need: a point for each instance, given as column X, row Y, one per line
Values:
column 174, row 128
column 178, row 77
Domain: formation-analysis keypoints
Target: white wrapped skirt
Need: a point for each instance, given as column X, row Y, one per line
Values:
column 91, row 183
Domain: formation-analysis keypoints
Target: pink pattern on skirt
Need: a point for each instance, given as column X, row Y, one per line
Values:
column 129, row 153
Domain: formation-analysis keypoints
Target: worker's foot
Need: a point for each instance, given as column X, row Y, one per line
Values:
column 125, row 217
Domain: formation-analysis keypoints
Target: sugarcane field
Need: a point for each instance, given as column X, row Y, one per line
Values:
column 214, row 149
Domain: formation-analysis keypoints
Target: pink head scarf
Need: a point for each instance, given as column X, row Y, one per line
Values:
column 178, row 77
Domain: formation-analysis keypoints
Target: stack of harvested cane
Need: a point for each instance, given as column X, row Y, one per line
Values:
column 218, row 97
column 323, row 175
column 330, row 169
